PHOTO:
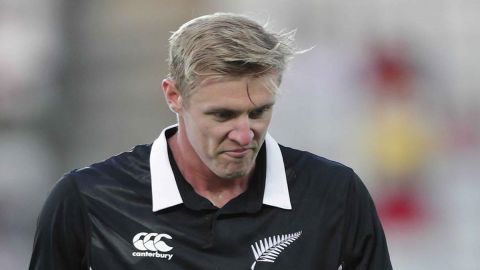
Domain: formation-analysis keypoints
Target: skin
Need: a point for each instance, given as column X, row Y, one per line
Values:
column 221, row 128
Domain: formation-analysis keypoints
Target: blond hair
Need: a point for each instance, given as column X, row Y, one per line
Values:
column 224, row 44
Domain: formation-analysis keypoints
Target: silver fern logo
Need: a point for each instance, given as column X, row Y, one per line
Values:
column 269, row 249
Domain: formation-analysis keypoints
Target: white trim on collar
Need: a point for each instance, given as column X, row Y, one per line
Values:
column 164, row 187
column 165, row 191
column 276, row 187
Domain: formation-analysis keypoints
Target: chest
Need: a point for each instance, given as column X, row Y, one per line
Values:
column 133, row 237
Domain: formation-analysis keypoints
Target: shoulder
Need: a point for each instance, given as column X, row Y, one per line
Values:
column 130, row 164
column 136, row 158
column 312, row 177
column 304, row 162
column 127, row 170
column 310, row 174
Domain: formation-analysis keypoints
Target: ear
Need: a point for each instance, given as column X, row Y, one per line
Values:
column 172, row 95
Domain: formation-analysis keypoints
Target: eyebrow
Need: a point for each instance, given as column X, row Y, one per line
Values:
column 222, row 109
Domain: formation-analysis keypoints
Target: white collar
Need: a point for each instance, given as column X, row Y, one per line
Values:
column 165, row 192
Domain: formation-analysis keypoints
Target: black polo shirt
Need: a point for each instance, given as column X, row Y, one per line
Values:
column 135, row 211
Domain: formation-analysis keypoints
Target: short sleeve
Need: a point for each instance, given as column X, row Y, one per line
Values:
column 62, row 230
column 364, row 245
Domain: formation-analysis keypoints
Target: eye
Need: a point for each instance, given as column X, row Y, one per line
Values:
column 258, row 113
column 222, row 115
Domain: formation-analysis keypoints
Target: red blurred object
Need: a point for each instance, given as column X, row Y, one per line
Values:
column 391, row 69
column 399, row 208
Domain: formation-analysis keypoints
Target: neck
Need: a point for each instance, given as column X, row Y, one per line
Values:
column 217, row 190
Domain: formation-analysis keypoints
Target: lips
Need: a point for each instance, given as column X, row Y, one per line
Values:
column 238, row 153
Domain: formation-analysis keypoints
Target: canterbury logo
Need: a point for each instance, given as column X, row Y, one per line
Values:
column 269, row 249
column 151, row 241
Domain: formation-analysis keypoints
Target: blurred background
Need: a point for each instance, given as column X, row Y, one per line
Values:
column 390, row 88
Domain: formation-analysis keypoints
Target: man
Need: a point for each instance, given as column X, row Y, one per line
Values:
column 215, row 191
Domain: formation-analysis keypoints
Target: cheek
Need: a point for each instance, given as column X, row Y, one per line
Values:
column 207, row 139
column 260, row 126
column 214, row 136
column 194, row 131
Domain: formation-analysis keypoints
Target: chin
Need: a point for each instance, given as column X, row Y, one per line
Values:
column 233, row 170
column 233, row 174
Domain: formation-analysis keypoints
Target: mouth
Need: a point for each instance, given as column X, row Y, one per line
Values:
column 238, row 153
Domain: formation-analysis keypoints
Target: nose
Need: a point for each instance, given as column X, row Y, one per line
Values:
column 242, row 132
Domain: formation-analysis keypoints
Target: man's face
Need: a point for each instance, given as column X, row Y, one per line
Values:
column 226, row 120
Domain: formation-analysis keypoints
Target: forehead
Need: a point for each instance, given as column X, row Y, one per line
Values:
column 238, row 90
